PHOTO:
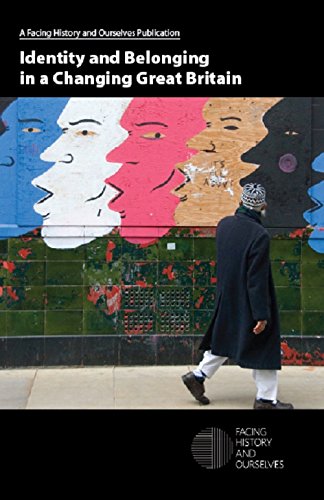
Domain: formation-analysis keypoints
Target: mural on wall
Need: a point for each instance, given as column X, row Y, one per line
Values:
column 159, row 130
column 284, row 157
column 315, row 215
column 212, row 189
column 144, row 165
column 110, row 250
column 75, row 206
column 30, row 125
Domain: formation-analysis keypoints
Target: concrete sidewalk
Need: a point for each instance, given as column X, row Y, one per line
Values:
column 149, row 387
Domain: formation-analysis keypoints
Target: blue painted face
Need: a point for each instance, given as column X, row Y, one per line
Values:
column 30, row 128
column 315, row 216
column 8, row 170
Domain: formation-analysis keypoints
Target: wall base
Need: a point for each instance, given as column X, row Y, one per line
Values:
column 120, row 350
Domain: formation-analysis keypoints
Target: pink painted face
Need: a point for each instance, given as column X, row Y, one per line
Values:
column 159, row 129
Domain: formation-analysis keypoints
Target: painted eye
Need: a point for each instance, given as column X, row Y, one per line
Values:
column 153, row 136
column 291, row 132
column 31, row 130
column 86, row 132
column 231, row 127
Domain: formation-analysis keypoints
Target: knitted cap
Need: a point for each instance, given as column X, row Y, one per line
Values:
column 253, row 195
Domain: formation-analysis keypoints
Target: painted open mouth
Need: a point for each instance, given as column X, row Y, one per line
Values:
column 46, row 216
column 47, row 197
column 118, row 195
column 318, row 205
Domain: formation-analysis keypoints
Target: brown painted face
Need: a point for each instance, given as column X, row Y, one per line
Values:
column 212, row 190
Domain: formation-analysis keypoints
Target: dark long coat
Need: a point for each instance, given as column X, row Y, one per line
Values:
column 245, row 294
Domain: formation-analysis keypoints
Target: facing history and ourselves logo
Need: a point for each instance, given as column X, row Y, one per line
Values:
column 244, row 448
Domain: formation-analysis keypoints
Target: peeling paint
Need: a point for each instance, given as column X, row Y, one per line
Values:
column 10, row 266
column 109, row 252
column 199, row 302
column 298, row 233
column 24, row 252
column 168, row 271
column 12, row 293
column 292, row 356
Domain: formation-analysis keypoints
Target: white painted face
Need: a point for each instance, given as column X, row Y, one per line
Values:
column 75, row 209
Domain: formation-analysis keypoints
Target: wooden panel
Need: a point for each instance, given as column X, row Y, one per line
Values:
column 212, row 190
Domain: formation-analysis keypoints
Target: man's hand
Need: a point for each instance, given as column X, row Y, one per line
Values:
column 260, row 326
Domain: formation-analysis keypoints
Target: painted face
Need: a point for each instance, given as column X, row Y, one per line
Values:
column 213, row 189
column 75, row 208
column 315, row 216
column 159, row 129
column 284, row 159
column 30, row 126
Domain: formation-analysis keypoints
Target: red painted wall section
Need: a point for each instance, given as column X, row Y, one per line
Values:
column 159, row 130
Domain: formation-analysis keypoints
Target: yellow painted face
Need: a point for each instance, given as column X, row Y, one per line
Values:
column 212, row 190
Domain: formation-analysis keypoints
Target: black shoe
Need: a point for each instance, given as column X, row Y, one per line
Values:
column 260, row 404
column 196, row 388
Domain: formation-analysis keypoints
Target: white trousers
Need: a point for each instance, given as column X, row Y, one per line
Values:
column 265, row 380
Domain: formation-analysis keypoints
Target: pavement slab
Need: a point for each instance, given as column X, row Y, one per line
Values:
column 149, row 387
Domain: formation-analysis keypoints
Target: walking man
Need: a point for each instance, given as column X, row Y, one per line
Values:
column 245, row 326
